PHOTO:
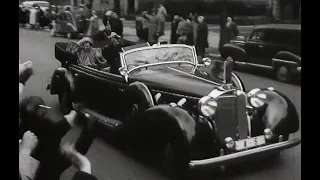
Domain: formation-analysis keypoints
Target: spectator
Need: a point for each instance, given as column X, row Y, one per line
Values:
column 34, row 117
column 93, row 25
column 116, row 24
column 202, row 37
column 194, row 21
column 232, row 31
column 174, row 27
column 153, row 26
column 162, row 14
column 25, row 72
column 142, row 28
column 185, row 32
column 28, row 166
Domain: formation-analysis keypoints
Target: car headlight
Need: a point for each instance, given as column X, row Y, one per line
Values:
column 268, row 134
column 230, row 144
column 207, row 106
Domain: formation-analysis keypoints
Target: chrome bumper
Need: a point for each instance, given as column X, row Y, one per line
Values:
column 242, row 156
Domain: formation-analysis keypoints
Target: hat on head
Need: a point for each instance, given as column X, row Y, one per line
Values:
column 84, row 40
column 109, row 13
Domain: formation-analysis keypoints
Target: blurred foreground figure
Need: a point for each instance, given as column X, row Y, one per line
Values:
column 35, row 117
column 79, row 161
column 28, row 166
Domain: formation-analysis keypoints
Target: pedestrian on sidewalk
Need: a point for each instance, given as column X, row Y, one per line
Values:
column 162, row 14
column 202, row 37
column 142, row 28
column 185, row 32
column 153, row 26
column 231, row 31
column 174, row 27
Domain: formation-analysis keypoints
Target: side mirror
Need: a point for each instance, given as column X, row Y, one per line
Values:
column 206, row 61
column 123, row 71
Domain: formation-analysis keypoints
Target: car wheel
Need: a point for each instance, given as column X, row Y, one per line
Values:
column 53, row 33
column 173, row 162
column 65, row 103
column 283, row 74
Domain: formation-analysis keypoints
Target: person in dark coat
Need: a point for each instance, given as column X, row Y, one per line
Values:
column 202, row 36
column 22, row 15
column 142, row 28
column 232, row 31
column 185, row 32
column 116, row 24
column 174, row 27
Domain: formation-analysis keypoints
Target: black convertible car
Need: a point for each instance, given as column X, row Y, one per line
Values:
column 163, row 101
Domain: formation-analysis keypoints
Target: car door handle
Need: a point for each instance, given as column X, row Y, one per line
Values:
column 260, row 46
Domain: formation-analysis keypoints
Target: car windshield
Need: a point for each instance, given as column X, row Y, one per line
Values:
column 42, row 4
column 159, row 55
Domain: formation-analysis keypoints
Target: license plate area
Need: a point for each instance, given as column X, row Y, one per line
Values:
column 250, row 143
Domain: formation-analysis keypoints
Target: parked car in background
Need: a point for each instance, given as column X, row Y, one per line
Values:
column 44, row 5
column 272, row 46
column 163, row 104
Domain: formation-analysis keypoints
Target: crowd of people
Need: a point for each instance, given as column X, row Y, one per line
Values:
column 41, row 156
column 191, row 29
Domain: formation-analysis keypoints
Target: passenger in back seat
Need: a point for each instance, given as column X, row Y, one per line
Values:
column 87, row 55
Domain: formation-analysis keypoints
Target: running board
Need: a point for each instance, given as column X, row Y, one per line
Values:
column 110, row 123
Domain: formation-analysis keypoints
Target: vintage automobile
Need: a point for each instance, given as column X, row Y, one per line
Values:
column 273, row 46
column 161, row 100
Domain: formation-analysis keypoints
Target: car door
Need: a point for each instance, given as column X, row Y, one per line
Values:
column 99, row 90
column 258, row 47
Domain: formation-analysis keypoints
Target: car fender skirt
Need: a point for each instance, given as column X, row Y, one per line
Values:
column 288, row 56
column 275, row 110
column 143, row 93
column 236, row 52
column 172, row 120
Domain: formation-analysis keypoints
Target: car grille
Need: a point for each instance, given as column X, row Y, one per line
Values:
column 231, row 117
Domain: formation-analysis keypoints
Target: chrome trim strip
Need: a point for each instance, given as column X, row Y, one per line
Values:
column 243, row 155
column 284, row 61
column 252, row 64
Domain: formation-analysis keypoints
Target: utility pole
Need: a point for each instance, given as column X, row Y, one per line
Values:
column 223, row 18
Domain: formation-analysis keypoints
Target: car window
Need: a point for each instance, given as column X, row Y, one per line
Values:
column 262, row 35
column 288, row 37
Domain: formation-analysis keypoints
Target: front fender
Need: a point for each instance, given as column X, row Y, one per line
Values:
column 234, row 51
column 275, row 110
column 194, row 134
column 61, row 80
column 287, row 58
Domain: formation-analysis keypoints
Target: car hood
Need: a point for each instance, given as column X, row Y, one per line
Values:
column 175, row 81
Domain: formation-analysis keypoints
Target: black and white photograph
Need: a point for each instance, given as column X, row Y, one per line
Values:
column 160, row 90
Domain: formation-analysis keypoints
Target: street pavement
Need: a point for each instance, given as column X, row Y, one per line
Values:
column 110, row 163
